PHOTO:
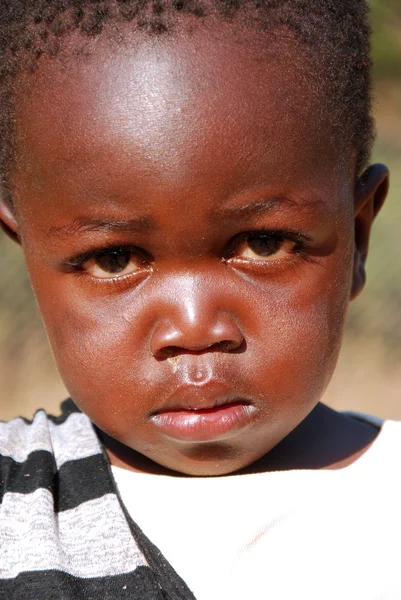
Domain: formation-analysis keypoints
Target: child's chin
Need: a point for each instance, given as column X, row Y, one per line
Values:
column 211, row 460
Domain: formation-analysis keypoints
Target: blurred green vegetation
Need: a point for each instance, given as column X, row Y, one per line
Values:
column 376, row 315
column 386, row 19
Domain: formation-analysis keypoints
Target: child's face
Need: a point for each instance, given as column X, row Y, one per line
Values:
column 188, row 225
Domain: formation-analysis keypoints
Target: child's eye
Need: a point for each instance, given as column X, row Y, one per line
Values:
column 113, row 263
column 264, row 247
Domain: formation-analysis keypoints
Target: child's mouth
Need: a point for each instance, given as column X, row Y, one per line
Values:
column 204, row 423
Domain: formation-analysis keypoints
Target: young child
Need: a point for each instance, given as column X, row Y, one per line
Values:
column 189, row 182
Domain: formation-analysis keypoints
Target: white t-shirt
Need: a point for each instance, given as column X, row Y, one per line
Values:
column 286, row 535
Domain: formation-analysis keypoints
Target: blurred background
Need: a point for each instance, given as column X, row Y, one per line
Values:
column 368, row 376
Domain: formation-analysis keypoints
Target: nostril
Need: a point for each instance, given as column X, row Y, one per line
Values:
column 228, row 346
column 223, row 346
column 218, row 333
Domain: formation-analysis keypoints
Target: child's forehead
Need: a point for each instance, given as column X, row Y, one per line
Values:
column 208, row 63
column 170, row 99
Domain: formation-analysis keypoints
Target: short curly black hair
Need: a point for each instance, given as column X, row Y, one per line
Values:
column 336, row 33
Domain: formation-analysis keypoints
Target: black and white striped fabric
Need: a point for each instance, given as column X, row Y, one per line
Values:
column 64, row 532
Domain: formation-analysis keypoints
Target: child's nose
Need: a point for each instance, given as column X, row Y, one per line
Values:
column 195, row 318
column 170, row 339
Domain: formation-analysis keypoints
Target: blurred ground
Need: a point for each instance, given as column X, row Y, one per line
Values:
column 368, row 376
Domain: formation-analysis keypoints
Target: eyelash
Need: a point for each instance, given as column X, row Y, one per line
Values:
column 76, row 263
column 298, row 239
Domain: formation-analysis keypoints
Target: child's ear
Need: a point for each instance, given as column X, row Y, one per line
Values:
column 370, row 193
column 8, row 221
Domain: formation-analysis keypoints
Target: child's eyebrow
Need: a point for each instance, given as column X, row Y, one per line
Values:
column 139, row 224
column 252, row 208
column 146, row 223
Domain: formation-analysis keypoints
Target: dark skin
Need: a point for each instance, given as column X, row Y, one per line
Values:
column 238, row 230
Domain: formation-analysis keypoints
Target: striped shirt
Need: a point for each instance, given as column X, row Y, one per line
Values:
column 64, row 532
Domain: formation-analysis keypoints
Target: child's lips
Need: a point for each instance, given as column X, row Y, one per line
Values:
column 198, row 415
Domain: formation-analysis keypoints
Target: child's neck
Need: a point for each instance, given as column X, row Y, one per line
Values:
column 326, row 439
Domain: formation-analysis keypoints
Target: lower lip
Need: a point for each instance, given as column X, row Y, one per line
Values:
column 204, row 425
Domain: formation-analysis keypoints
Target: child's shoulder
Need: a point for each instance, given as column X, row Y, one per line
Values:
column 58, row 503
column 22, row 439
column 384, row 455
column 34, row 452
